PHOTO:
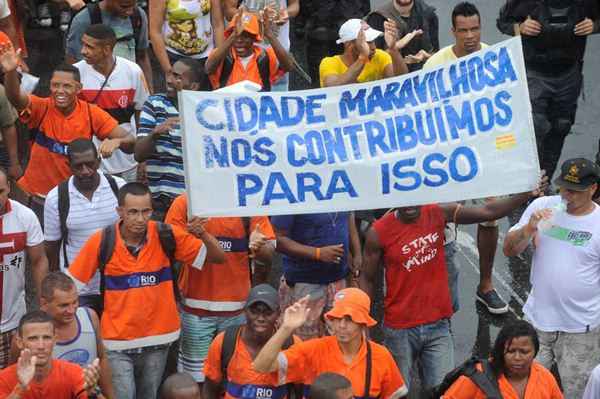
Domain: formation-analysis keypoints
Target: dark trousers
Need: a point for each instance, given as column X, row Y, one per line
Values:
column 554, row 105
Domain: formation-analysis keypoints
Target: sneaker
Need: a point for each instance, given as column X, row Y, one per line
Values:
column 493, row 302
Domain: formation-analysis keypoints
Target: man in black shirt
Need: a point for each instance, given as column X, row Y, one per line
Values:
column 410, row 15
column 554, row 36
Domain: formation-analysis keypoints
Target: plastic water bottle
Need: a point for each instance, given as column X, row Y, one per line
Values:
column 546, row 224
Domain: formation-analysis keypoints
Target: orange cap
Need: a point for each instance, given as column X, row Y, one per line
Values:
column 352, row 302
column 250, row 22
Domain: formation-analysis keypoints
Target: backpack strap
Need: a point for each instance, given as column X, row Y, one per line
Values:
column 63, row 213
column 368, row 370
column 227, row 349
column 107, row 247
column 226, row 71
column 136, row 25
column 169, row 246
column 486, row 380
column 113, row 185
column 95, row 13
column 264, row 69
column 34, row 132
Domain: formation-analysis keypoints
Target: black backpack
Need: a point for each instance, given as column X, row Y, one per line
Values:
column 228, row 348
column 264, row 69
column 95, row 14
column 64, row 203
column 487, row 380
column 167, row 242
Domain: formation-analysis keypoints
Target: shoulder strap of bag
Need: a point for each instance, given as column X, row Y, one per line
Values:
column 95, row 13
column 113, row 185
column 107, row 247
column 226, row 71
column 227, row 349
column 63, row 213
column 368, row 370
column 169, row 246
column 264, row 69
column 136, row 25
column 486, row 380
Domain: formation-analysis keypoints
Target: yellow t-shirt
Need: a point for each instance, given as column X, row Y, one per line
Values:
column 444, row 55
column 373, row 69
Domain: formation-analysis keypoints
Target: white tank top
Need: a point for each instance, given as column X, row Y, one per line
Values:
column 82, row 349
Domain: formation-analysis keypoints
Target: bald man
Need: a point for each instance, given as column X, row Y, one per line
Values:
column 180, row 386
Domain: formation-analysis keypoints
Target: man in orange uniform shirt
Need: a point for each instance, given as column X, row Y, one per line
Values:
column 214, row 296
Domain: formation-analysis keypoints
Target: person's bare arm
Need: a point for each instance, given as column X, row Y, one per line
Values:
column 53, row 254
column 11, row 141
column 143, row 60
column 516, row 241
column 285, row 60
column 294, row 249
column 355, row 249
column 293, row 317
column 230, row 8
column 394, row 47
column 146, row 146
column 293, row 8
column 105, row 381
column 9, row 61
column 156, row 18
column 214, row 252
column 217, row 22
column 354, row 70
column 217, row 56
column 39, row 266
column 371, row 260
column 117, row 138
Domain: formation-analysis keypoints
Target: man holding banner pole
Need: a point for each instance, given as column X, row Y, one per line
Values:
column 417, row 304
column 466, row 29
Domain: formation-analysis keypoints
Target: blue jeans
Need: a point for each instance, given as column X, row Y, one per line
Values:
column 452, row 267
column 137, row 375
column 431, row 343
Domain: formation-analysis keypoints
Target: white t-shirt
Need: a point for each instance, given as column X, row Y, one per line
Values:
column 19, row 229
column 126, row 89
column 592, row 389
column 565, row 271
column 4, row 9
column 85, row 217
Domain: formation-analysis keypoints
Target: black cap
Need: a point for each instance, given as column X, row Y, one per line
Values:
column 577, row 174
column 263, row 293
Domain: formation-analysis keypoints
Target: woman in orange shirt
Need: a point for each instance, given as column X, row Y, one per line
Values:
column 519, row 376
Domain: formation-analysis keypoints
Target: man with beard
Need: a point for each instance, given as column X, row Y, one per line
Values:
column 159, row 137
column 261, row 312
column 92, row 205
column 410, row 15
column 417, row 304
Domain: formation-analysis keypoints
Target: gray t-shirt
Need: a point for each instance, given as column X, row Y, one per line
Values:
column 122, row 28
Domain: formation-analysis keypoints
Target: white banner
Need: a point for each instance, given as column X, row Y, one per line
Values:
column 460, row 131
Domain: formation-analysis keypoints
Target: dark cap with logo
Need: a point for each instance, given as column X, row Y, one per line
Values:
column 578, row 174
column 263, row 293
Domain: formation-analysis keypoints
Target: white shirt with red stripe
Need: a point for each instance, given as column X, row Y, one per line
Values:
column 19, row 229
column 125, row 87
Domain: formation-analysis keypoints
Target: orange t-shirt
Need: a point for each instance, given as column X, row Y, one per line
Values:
column 250, row 72
column 243, row 381
column 202, row 289
column 303, row 362
column 46, row 168
column 541, row 385
column 65, row 381
column 139, row 304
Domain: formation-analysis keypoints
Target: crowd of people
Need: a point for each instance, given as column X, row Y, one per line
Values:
column 128, row 296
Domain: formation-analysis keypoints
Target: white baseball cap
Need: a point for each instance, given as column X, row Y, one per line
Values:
column 350, row 29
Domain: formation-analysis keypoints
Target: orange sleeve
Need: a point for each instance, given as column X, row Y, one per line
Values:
column 85, row 264
column 34, row 111
column 102, row 122
column 463, row 388
column 177, row 214
column 212, row 365
column 294, row 362
column 189, row 249
column 274, row 65
column 393, row 383
column 264, row 226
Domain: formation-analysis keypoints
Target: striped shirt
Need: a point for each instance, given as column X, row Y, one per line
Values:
column 85, row 217
column 165, row 167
